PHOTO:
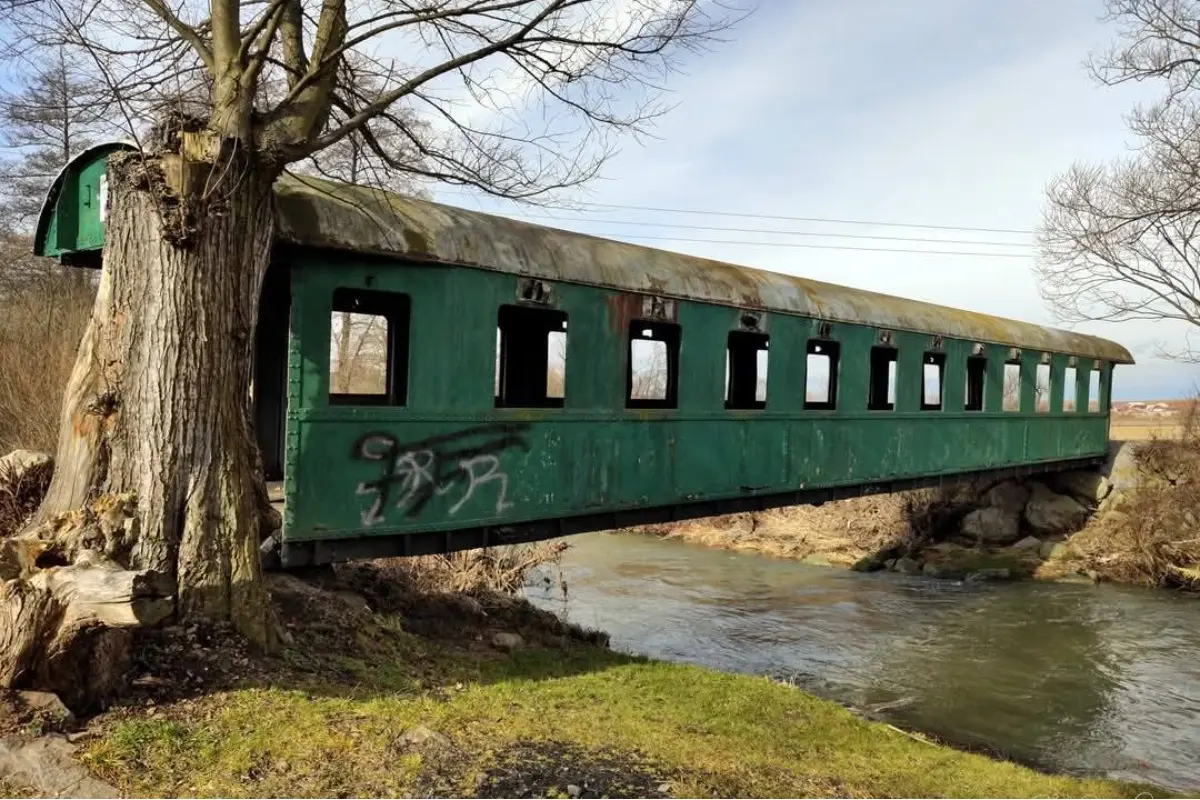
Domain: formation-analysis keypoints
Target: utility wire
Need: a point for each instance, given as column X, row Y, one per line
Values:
column 822, row 246
column 590, row 206
column 775, row 231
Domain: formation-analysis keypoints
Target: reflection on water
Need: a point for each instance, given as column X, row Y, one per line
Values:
column 1097, row 680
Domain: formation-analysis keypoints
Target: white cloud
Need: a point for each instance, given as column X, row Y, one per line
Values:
column 956, row 115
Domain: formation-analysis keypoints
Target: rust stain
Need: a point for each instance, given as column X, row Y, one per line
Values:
column 622, row 310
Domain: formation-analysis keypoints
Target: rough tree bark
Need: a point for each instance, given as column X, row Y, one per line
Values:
column 157, row 408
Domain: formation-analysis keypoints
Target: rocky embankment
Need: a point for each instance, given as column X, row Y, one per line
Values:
column 1085, row 525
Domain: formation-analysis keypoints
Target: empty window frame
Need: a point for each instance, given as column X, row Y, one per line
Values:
column 1012, row 384
column 881, row 394
column 1094, row 399
column 933, row 372
column 530, row 357
column 1070, row 388
column 1041, row 388
column 652, row 371
column 821, row 375
column 368, row 348
column 746, row 370
column 976, row 380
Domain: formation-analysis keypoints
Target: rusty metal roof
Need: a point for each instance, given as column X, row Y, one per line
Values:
column 323, row 213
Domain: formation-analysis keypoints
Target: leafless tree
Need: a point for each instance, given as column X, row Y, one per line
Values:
column 1119, row 241
column 518, row 98
column 649, row 372
column 47, row 121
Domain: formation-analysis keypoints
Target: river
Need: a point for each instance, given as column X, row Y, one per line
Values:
column 1094, row 680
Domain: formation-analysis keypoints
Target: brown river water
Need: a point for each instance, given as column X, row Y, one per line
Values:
column 1094, row 680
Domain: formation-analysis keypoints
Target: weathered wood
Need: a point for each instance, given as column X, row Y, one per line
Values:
column 61, row 628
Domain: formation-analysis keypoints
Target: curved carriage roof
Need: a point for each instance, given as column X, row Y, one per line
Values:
column 320, row 213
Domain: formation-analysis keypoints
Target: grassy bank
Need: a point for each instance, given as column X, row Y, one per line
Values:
column 419, row 697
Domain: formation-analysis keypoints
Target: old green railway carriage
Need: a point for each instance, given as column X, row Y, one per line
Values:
column 767, row 390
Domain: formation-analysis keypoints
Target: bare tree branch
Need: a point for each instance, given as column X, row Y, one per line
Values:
column 1122, row 241
column 186, row 32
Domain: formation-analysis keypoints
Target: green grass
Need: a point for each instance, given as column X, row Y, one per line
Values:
column 707, row 733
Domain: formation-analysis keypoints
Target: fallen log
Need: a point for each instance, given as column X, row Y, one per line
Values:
column 67, row 629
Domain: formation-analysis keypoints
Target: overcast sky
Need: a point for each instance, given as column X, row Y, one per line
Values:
column 940, row 112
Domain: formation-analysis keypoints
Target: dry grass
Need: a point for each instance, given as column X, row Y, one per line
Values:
column 1151, row 536
column 842, row 531
column 503, row 570
column 46, row 309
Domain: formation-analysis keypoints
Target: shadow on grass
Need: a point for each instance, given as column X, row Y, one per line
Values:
column 357, row 632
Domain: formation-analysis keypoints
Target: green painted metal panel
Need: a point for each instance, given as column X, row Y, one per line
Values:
column 73, row 220
column 450, row 459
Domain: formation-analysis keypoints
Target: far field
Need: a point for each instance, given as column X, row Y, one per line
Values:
column 1134, row 420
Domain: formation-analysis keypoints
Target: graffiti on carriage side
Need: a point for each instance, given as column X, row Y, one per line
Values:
column 412, row 473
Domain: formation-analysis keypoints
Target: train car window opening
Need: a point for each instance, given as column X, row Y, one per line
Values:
column 760, row 385
column 933, row 368
column 820, row 385
column 368, row 347
column 1094, row 388
column 1012, row 386
column 746, row 370
column 881, row 394
column 652, row 371
column 1041, row 388
column 976, row 377
column 1070, row 385
column 530, row 357
column 556, row 364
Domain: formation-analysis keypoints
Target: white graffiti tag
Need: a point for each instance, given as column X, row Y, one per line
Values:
column 468, row 466
column 434, row 468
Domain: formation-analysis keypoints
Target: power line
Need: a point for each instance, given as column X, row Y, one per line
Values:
column 824, row 246
column 744, row 215
column 818, row 234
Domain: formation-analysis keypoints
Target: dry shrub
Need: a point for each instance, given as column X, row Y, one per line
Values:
column 20, row 494
column 936, row 515
column 489, row 570
column 46, row 309
column 1151, row 536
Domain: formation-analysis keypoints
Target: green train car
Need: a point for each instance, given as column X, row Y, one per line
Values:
column 532, row 382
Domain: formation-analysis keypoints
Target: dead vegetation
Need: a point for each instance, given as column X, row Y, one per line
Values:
column 935, row 515
column 842, row 532
column 1150, row 535
column 21, row 490
column 491, row 569
column 46, row 309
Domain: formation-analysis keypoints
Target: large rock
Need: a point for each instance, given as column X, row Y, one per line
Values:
column 507, row 641
column 992, row 525
column 47, row 766
column 1049, row 513
column 1086, row 486
column 1121, row 469
column 21, row 465
column 46, row 705
column 1009, row 497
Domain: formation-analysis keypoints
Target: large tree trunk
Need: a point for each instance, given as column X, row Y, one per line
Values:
column 157, row 408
